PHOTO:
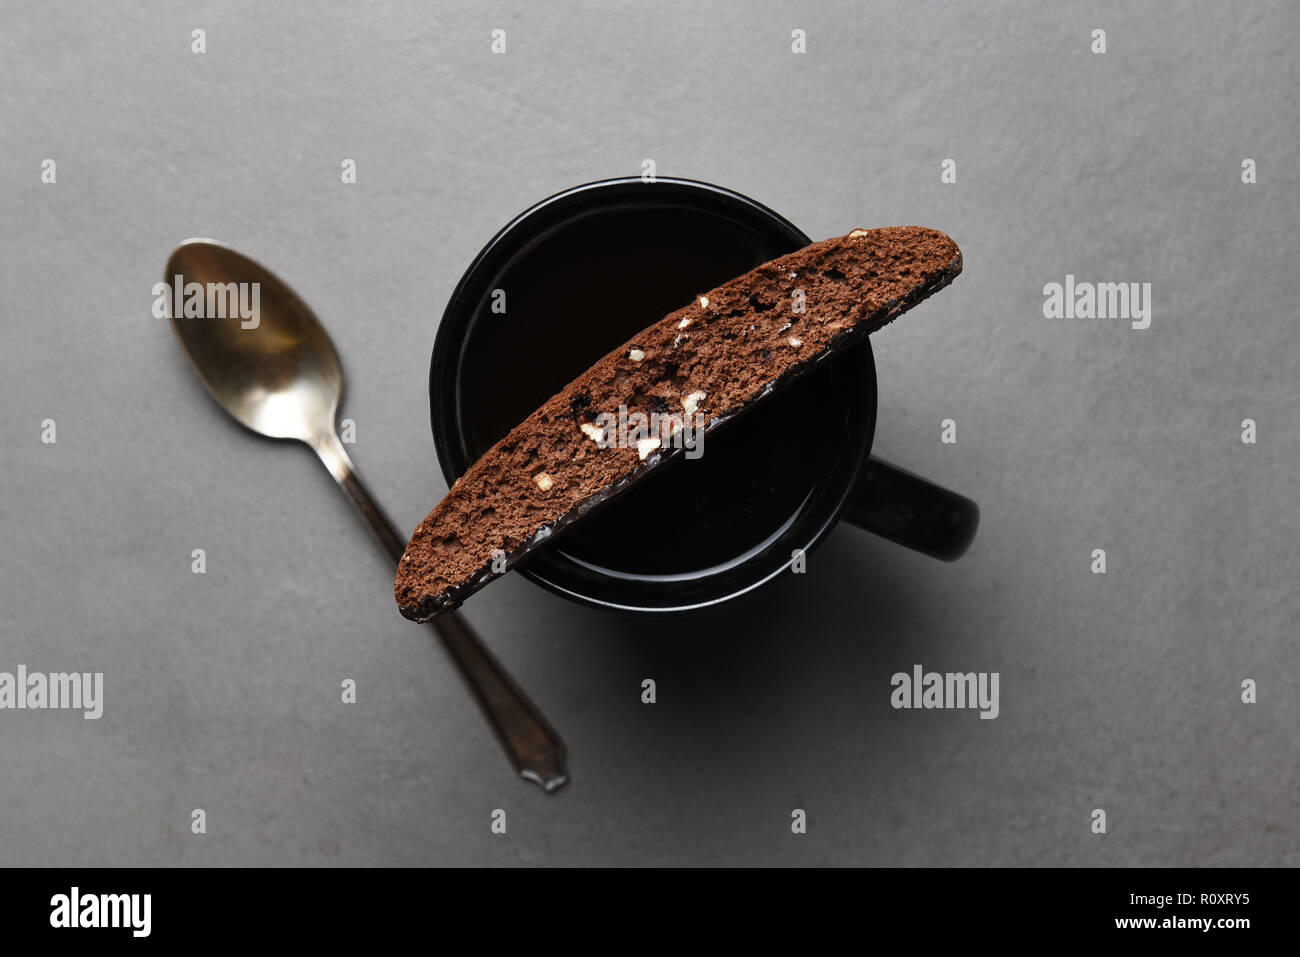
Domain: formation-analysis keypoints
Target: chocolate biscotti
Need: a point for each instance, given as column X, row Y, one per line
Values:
column 656, row 396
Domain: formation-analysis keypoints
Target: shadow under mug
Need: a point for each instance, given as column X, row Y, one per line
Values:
column 582, row 272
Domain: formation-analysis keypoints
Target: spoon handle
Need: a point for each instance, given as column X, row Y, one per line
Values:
column 532, row 744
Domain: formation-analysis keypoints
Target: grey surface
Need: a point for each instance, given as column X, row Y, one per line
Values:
column 222, row 691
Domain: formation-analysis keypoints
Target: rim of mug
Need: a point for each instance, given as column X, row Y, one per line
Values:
column 536, row 222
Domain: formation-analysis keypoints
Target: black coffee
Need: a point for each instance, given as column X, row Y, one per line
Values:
column 587, row 288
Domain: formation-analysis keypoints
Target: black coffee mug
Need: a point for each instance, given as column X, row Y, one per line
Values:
column 582, row 272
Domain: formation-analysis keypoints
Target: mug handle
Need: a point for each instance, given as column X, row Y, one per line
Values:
column 906, row 509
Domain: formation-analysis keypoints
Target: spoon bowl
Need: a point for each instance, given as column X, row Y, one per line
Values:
column 276, row 373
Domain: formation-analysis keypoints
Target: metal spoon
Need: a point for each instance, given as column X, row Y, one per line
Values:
column 278, row 374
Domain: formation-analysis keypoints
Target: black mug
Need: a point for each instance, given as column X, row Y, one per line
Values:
column 579, row 274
